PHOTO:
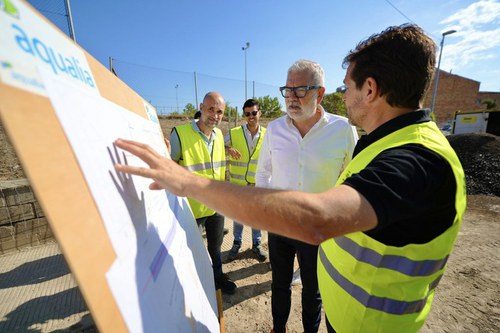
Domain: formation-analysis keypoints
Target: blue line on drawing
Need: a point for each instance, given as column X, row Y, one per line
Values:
column 162, row 252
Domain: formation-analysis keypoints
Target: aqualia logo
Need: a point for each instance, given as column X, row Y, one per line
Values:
column 59, row 63
column 9, row 8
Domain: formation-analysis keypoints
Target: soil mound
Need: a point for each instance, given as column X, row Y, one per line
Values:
column 480, row 157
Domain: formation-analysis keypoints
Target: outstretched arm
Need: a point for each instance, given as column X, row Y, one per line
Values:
column 312, row 218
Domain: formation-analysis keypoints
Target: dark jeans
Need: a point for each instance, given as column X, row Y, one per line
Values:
column 214, row 228
column 281, row 255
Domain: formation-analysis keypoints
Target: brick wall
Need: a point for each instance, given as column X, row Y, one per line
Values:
column 22, row 221
column 494, row 96
column 454, row 93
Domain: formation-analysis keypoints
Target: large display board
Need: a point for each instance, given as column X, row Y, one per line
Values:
column 136, row 254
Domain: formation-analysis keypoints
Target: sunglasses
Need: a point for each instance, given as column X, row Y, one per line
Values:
column 253, row 113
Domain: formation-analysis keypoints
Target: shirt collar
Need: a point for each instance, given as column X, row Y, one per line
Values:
column 194, row 124
column 245, row 127
column 407, row 119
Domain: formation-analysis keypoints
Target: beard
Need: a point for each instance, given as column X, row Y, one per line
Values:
column 301, row 112
column 211, row 123
column 355, row 113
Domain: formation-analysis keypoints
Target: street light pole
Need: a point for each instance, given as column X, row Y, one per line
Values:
column 244, row 48
column 70, row 21
column 177, row 97
column 449, row 32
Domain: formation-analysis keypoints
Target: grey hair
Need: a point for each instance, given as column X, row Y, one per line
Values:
column 315, row 69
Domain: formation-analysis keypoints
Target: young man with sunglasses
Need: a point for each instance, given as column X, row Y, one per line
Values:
column 305, row 150
column 243, row 145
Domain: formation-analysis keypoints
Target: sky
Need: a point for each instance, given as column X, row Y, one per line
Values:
column 157, row 46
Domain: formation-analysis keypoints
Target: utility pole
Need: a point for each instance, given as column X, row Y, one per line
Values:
column 177, row 97
column 245, row 48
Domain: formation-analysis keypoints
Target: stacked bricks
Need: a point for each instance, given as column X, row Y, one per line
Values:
column 22, row 221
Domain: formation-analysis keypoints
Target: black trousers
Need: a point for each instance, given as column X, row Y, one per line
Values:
column 281, row 255
column 214, row 228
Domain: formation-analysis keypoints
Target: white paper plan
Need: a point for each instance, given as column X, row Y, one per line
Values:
column 162, row 279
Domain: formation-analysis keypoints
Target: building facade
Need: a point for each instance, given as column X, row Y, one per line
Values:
column 454, row 93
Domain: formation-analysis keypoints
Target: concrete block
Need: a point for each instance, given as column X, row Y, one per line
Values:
column 18, row 195
column 38, row 209
column 5, row 216
column 16, row 213
column 3, row 203
column 41, row 231
column 7, row 238
column 7, row 231
column 24, row 230
column 7, row 245
column 23, row 241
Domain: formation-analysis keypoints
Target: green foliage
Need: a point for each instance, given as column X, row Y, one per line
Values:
column 230, row 111
column 270, row 107
column 490, row 104
column 333, row 103
column 189, row 110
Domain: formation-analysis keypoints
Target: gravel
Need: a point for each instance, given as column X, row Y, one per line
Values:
column 480, row 157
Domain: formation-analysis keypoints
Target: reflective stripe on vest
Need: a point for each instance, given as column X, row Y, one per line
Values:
column 392, row 306
column 196, row 159
column 242, row 171
column 205, row 166
column 367, row 286
column 396, row 263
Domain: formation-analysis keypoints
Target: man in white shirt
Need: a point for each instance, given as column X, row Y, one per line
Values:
column 306, row 150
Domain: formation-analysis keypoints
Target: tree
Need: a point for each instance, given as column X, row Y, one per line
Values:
column 230, row 111
column 270, row 106
column 333, row 103
column 189, row 110
column 490, row 104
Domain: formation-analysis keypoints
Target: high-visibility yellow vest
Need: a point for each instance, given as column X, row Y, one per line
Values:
column 242, row 171
column 367, row 286
column 196, row 158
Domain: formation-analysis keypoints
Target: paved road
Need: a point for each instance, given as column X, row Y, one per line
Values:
column 38, row 293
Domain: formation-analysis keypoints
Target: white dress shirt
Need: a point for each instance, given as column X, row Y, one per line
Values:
column 311, row 163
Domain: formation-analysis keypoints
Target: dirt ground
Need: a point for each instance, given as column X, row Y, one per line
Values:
column 468, row 297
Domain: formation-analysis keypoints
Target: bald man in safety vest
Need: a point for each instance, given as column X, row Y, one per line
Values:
column 198, row 146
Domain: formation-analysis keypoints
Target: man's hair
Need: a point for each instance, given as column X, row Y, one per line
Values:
column 313, row 68
column 251, row 102
column 400, row 59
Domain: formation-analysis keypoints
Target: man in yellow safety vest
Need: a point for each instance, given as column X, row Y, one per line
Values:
column 243, row 145
column 198, row 146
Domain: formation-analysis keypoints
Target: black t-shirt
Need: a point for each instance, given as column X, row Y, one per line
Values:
column 411, row 188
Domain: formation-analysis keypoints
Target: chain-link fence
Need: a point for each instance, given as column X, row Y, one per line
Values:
column 54, row 11
column 170, row 90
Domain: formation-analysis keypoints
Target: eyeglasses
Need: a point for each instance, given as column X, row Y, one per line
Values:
column 300, row 91
column 253, row 113
column 342, row 89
